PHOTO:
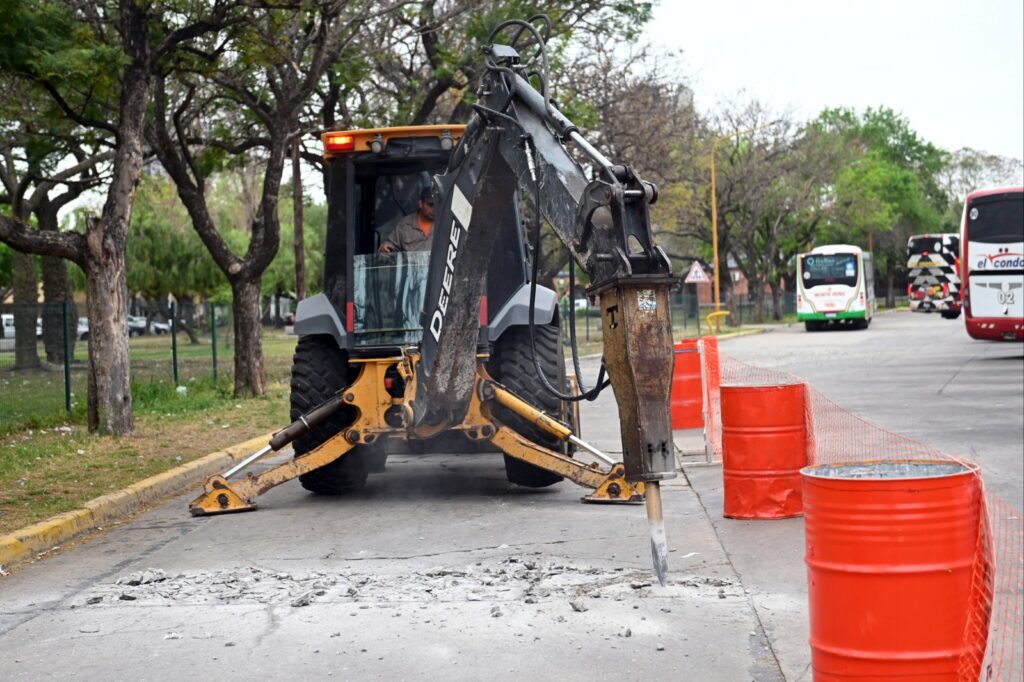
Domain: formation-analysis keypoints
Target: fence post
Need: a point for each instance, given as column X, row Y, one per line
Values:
column 213, row 338
column 67, row 357
column 174, row 340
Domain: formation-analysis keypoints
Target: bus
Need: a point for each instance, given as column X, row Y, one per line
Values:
column 835, row 285
column 992, row 263
column 933, row 274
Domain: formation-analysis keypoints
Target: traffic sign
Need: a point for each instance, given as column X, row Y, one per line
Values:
column 696, row 275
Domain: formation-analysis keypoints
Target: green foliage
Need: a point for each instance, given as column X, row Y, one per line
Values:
column 6, row 265
column 165, row 255
column 890, row 189
column 44, row 41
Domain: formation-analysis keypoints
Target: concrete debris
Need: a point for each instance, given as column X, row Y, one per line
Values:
column 150, row 575
column 172, row 635
column 304, row 599
column 495, row 612
column 506, row 580
column 660, row 647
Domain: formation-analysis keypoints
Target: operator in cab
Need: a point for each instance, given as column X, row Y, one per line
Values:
column 412, row 233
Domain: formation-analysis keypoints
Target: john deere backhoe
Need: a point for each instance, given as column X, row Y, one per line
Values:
column 459, row 348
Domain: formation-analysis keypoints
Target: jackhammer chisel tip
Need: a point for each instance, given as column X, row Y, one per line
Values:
column 656, row 523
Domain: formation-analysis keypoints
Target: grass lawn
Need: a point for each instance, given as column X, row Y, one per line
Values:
column 55, row 465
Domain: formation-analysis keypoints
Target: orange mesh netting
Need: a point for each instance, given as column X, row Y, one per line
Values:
column 995, row 630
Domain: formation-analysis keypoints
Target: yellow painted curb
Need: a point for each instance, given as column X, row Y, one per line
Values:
column 29, row 541
column 742, row 332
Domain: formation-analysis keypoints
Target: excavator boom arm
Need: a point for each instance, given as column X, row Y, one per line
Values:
column 516, row 141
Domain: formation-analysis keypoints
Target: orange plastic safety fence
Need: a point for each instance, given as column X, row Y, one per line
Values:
column 995, row 631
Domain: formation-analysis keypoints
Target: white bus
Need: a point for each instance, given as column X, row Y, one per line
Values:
column 835, row 285
column 992, row 263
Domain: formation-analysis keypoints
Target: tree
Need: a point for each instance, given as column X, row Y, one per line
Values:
column 970, row 169
column 95, row 61
column 165, row 256
column 242, row 95
column 45, row 164
column 889, row 192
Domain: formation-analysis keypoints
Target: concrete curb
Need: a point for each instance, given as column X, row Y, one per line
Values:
column 721, row 337
column 742, row 332
column 114, row 507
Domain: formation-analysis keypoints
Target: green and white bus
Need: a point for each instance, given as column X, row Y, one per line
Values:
column 835, row 285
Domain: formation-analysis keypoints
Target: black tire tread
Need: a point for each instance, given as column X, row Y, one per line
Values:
column 319, row 370
column 513, row 366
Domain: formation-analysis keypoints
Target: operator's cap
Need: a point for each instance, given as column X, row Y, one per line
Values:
column 427, row 195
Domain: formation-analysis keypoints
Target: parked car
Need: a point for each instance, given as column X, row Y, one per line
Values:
column 160, row 327
column 8, row 324
column 82, row 331
column 136, row 325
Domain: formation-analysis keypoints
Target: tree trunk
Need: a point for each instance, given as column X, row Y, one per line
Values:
column 26, row 304
column 890, row 288
column 187, row 317
column 757, row 288
column 110, row 394
column 777, row 311
column 57, row 292
column 249, row 375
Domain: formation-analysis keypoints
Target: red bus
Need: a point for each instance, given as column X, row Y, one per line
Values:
column 992, row 263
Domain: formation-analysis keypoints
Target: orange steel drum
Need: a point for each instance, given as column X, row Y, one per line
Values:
column 890, row 558
column 687, row 388
column 764, row 446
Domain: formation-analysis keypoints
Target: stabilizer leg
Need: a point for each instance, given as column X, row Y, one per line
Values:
column 221, row 496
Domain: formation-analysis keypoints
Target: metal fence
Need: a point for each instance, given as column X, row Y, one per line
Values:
column 44, row 354
column 689, row 315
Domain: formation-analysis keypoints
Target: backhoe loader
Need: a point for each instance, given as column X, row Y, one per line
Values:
column 459, row 348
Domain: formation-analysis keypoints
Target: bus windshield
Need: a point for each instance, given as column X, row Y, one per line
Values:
column 999, row 221
column 818, row 269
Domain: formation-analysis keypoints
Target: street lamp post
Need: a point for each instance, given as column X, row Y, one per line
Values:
column 714, row 213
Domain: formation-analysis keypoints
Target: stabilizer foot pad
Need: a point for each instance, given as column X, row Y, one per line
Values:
column 219, row 498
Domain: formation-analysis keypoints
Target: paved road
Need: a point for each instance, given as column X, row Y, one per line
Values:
column 917, row 375
column 440, row 567
column 920, row 376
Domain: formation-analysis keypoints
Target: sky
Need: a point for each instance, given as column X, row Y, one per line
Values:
column 954, row 69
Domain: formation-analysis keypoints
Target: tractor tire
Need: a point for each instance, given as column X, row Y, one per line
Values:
column 512, row 365
column 319, row 370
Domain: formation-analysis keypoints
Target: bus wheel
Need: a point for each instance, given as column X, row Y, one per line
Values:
column 812, row 326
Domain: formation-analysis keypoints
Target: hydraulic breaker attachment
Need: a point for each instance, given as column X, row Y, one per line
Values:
column 637, row 330
column 221, row 497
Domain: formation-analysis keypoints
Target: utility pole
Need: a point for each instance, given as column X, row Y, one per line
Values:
column 300, row 252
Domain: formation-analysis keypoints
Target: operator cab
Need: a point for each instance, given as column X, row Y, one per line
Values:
column 374, row 178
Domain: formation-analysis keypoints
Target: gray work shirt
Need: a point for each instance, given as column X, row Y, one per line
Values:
column 407, row 235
